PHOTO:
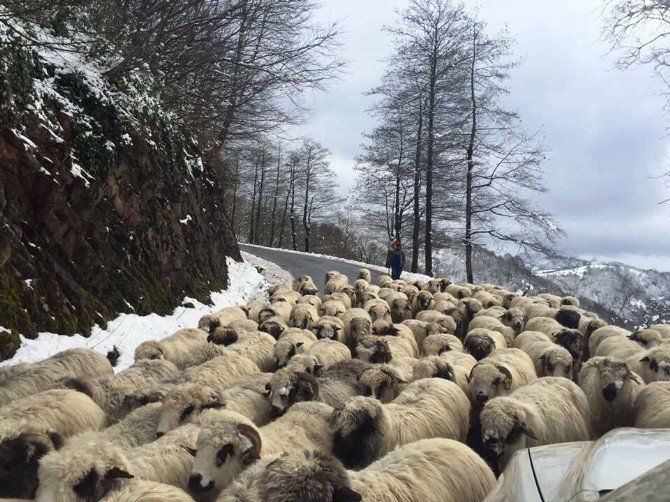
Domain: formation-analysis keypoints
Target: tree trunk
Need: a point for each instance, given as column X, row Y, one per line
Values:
column 305, row 221
column 274, row 200
column 294, row 237
column 283, row 217
column 257, row 236
column 253, row 206
column 236, row 184
column 417, row 191
column 470, row 155
column 430, row 165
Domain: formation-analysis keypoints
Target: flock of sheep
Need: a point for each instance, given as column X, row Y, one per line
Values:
column 389, row 392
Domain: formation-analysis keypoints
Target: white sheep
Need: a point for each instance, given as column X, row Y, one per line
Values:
column 611, row 389
column 422, row 301
column 254, row 309
column 333, row 308
column 365, row 274
column 652, row 406
column 342, row 296
column 329, row 327
column 378, row 309
column 139, row 490
column 223, row 317
column 547, row 411
column 654, row 364
column 279, row 309
column 62, row 411
column 381, row 349
column 221, row 372
column 335, row 283
column 292, row 343
column 549, row 358
column 493, row 324
column 304, row 316
column 434, row 345
column 274, row 326
column 47, row 374
column 502, row 372
column 85, row 468
column 357, row 325
column 174, row 348
column 480, row 342
column 434, row 470
column 454, row 366
column 603, row 333
column 365, row 429
column 445, row 321
column 328, row 352
column 314, row 300
column 109, row 391
column 229, row 442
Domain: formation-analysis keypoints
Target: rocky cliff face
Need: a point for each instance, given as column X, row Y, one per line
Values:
column 105, row 205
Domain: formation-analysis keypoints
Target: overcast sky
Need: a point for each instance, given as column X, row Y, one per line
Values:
column 604, row 128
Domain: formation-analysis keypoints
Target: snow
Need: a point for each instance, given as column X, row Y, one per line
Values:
column 127, row 331
column 29, row 283
column 186, row 220
column 271, row 271
column 405, row 275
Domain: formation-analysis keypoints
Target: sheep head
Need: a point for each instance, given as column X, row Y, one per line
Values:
column 434, row 345
column 503, row 423
column 379, row 310
column 150, row 349
column 657, row 362
column 327, row 328
column 648, row 338
column 478, row 344
column 434, row 367
column 334, row 308
column 382, row 382
column 593, row 325
column 514, row 318
column 487, row 380
column 571, row 339
column 288, row 387
column 381, row 327
column 184, row 403
column 85, row 469
column 273, row 326
column 285, row 349
column 401, row 309
column 19, row 460
column 614, row 376
column 360, row 327
column 358, row 425
column 568, row 317
column 227, row 444
column 557, row 361
column 374, row 349
column 223, row 336
column 424, row 300
column 306, row 476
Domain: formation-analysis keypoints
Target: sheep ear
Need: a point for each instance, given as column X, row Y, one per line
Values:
column 317, row 367
column 346, row 494
column 645, row 359
column 469, row 377
column 268, row 389
column 191, row 451
column 523, row 428
column 118, row 473
column 250, row 456
column 299, row 344
column 307, row 387
column 507, row 382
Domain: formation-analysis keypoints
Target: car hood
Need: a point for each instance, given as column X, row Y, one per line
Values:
column 604, row 465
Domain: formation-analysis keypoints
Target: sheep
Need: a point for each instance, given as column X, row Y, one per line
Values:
column 279, row 289
column 547, row 411
column 278, row 309
column 109, row 392
column 494, row 325
column 329, row 327
column 487, row 299
column 256, row 346
column 229, row 442
column 62, row 411
column 654, row 365
column 588, row 324
column 386, row 381
column 481, row 342
column 85, row 469
column 46, row 374
column 360, row 285
column 139, row 490
column 339, row 296
column 314, row 300
column 401, row 309
column 290, row 344
column 137, row 428
column 454, row 366
column 357, row 325
column 434, row 470
column 423, row 329
column 335, row 283
column 568, row 316
column 647, row 338
column 378, row 309
column 221, row 372
column 381, row 349
column 552, row 300
column 545, row 325
column 19, row 457
column 422, row 301
column 274, row 326
column 499, row 374
column 445, row 321
column 333, row 308
column 366, row 296
column 289, row 297
column 365, row 274
column 611, row 389
column 410, row 292
column 307, row 286
column 663, row 329
column 603, row 333
column 573, row 340
column 570, row 300
column 432, row 286
column 538, row 310
column 223, row 317
column 174, row 348
column 383, row 328
column 365, row 429
column 548, row 358
column 512, row 317
column 434, row 345
column 188, row 403
column 651, row 406
column 619, row 347
column 328, row 352
column 254, row 309
column 384, row 281
column 335, row 384
column 458, row 291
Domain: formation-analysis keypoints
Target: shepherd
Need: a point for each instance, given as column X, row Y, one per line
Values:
column 395, row 259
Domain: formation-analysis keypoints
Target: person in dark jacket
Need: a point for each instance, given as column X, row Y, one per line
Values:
column 395, row 259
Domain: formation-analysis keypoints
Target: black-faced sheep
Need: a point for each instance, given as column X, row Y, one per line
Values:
column 291, row 343
column 611, row 389
column 229, row 442
column 549, row 358
column 435, row 470
column 174, row 348
column 422, row 301
column 357, row 325
column 47, row 374
column 501, row 373
column 493, row 324
column 365, row 429
column 547, row 411
column 652, row 406
column 480, row 342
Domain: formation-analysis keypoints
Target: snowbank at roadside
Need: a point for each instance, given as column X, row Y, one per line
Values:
column 127, row 331
column 272, row 272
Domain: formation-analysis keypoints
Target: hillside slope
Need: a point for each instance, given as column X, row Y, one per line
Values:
column 105, row 204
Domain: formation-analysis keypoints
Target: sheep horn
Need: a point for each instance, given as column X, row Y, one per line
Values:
column 252, row 435
column 507, row 383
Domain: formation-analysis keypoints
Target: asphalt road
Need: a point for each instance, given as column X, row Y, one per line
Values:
column 299, row 264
